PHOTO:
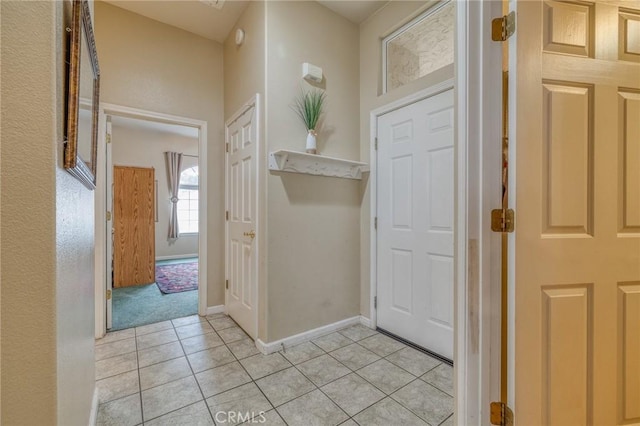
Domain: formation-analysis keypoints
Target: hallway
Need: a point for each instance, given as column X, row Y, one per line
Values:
column 192, row 370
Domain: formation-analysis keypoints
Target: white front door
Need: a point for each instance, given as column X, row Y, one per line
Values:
column 242, row 291
column 415, row 223
column 575, row 251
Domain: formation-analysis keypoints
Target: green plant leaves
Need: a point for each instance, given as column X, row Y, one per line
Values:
column 308, row 106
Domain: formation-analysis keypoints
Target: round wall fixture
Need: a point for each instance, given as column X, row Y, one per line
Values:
column 239, row 36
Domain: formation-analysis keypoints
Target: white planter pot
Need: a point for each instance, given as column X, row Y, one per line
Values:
column 311, row 142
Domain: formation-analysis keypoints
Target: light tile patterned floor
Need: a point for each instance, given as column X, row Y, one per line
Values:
column 204, row 371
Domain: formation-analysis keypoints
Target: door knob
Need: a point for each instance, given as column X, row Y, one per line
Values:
column 251, row 234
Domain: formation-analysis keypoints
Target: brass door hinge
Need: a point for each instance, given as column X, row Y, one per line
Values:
column 502, row 220
column 226, row 285
column 108, row 137
column 226, row 215
column 108, row 294
column 502, row 28
column 227, row 147
column 108, row 216
column 501, row 415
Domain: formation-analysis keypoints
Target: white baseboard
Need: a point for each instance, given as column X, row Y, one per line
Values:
column 93, row 416
column 365, row 321
column 219, row 309
column 176, row 256
column 271, row 347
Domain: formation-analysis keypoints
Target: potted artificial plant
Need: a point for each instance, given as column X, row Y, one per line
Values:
column 308, row 106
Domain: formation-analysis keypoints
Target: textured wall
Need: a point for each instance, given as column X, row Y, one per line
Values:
column 145, row 148
column 313, row 222
column 372, row 31
column 75, row 275
column 28, row 209
column 421, row 49
column 74, row 295
column 47, row 231
column 403, row 65
column 152, row 66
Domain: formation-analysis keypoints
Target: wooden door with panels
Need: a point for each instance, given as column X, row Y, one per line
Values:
column 134, row 248
column 242, row 259
column 577, row 199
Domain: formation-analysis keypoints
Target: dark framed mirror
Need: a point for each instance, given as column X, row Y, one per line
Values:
column 80, row 151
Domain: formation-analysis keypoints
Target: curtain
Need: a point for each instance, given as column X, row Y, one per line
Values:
column 174, row 167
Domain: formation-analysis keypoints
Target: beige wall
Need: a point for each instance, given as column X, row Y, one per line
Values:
column 145, row 148
column 313, row 222
column 75, row 275
column 47, row 231
column 75, row 298
column 244, row 76
column 372, row 31
column 244, row 65
column 152, row 66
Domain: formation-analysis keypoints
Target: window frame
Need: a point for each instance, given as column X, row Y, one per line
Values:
column 404, row 28
column 190, row 187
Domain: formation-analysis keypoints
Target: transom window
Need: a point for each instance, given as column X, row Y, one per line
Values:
column 420, row 47
column 188, row 201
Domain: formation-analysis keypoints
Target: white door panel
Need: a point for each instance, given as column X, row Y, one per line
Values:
column 242, row 240
column 415, row 223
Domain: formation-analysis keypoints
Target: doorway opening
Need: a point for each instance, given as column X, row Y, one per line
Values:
column 154, row 270
column 154, row 192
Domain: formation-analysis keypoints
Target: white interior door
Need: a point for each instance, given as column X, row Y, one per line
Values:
column 576, row 246
column 242, row 244
column 415, row 223
column 109, row 226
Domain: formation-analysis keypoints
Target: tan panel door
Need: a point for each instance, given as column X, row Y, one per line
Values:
column 134, row 250
column 577, row 237
column 242, row 260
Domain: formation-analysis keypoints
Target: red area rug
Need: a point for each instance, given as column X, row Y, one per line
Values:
column 177, row 277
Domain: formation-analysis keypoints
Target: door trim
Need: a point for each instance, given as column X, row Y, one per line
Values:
column 478, row 251
column 253, row 102
column 101, row 232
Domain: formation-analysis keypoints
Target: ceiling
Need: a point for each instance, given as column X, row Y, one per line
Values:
column 354, row 10
column 215, row 24
column 190, row 15
column 155, row 126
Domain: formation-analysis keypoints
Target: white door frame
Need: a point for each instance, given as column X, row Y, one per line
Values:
column 512, row 66
column 479, row 119
column 101, row 225
column 253, row 102
column 109, row 243
column 478, row 77
column 479, row 139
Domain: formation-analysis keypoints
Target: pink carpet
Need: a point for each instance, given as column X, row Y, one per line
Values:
column 177, row 277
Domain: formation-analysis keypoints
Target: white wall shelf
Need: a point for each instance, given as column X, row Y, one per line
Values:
column 319, row 165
